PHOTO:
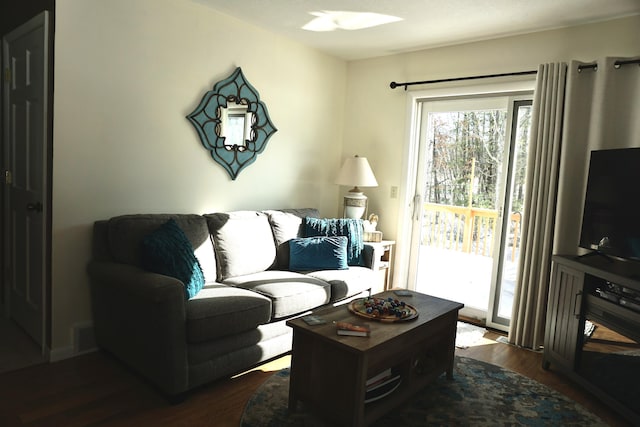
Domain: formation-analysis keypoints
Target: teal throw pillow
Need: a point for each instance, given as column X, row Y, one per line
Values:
column 318, row 253
column 352, row 229
column 168, row 251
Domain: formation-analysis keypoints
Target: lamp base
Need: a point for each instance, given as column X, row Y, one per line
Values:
column 355, row 205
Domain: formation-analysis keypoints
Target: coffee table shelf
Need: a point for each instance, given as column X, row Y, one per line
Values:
column 329, row 372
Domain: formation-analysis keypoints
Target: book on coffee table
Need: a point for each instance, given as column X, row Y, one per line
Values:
column 314, row 320
column 378, row 378
column 353, row 329
column 383, row 389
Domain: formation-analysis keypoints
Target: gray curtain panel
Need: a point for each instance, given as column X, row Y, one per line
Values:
column 596, row 109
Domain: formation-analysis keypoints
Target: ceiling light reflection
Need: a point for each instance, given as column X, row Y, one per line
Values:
column 333, row 20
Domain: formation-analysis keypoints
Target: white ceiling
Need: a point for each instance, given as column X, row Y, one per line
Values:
column 425, row 23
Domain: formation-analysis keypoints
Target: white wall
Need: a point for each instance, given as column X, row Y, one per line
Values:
column 376, row 116
column 128, row 72
column 126, row 75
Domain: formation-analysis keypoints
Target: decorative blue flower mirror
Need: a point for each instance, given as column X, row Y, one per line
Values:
column 232, row 122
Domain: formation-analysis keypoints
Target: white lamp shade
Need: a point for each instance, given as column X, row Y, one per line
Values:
column 357, row 172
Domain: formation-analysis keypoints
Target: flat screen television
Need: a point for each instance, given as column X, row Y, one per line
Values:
column 611, row 217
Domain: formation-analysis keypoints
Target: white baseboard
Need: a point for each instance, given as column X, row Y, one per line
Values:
column 83, row 342
column 58, row 354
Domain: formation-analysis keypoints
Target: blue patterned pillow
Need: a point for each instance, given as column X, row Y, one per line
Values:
column 350, row 228
column 168, row 251
column 318, row 253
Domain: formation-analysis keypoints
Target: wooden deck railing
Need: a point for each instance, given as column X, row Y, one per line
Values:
column 470, row 230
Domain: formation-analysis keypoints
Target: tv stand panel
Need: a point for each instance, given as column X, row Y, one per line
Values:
column 597, row 253
column 573, row 299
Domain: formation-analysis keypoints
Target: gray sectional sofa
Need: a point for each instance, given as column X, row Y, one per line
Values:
column 236, row 321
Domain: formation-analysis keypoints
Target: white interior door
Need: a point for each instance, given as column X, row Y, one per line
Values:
column 25, row 57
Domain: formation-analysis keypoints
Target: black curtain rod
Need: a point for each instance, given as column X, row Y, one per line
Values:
column 394, row 85
column 616, row 65
column 593, row 67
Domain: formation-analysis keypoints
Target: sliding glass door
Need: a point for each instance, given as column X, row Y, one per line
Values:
column 470, row 173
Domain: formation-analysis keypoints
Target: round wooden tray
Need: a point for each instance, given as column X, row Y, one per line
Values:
column 357, row 307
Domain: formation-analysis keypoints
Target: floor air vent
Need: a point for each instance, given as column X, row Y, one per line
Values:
column 83, row 338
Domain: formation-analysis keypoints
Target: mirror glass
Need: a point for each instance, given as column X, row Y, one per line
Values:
column 236, row 125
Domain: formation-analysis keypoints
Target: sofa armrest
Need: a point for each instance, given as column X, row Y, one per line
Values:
column 371, row 255
column 136, row 281
column 140, row 317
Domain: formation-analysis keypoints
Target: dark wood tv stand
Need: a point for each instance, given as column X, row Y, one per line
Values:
column 575, row 296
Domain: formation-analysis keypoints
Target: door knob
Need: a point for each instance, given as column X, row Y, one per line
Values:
column 34, row 207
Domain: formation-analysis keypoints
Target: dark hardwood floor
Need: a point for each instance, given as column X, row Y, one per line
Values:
column 96, row 390
column 17, row 350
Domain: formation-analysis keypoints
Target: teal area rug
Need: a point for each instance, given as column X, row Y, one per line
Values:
column 480, row 394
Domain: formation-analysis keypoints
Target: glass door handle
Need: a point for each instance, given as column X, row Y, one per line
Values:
column 416, row 207
column 34, row 207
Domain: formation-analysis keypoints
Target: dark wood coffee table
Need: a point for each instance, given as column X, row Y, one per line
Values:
column 329, row 371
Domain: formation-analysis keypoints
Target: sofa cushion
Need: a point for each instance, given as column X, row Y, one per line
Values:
column 290, row 293
column 168, row 251
column 243, row 242
column 125, row 234
column 347, row 283
column 351, row 228
column 286, row 224
column 237, row 357
column 318, row 253
column 202, row 352
column 219, row 310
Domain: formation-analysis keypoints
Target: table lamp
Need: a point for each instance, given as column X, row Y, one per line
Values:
column 357, row 172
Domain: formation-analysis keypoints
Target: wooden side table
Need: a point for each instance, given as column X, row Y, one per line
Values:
column 383, row 264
